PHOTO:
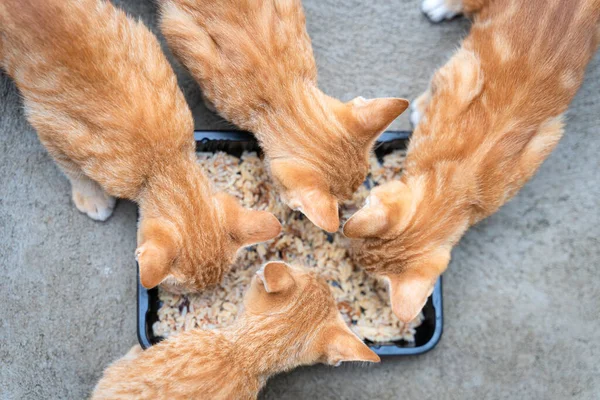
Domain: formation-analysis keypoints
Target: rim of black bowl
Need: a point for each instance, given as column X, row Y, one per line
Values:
column 427, row 335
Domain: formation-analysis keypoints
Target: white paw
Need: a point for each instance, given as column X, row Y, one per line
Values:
column 415, row 114
column 437, row 10
column 95, row 203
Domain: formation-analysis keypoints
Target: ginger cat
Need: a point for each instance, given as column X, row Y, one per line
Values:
column 253, row 60
column 105, row 103
column 491, row 116
column 290, row 319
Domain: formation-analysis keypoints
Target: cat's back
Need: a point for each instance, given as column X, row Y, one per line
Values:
column 518, row 69
column 243, row 53
column 86, row 55
column 510, row 82
column 245, row 33
column 533, row 54
column 192, row 365
column 96, row 86
column 90, row 42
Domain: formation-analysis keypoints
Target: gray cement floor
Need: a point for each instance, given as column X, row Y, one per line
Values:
column 521, row 297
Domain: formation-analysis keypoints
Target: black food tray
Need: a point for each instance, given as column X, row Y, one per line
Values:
column 235, row 143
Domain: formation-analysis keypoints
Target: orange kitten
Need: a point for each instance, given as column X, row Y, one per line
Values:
column 290, row 319
column 105, row 103
column 254, row 62
column 492, row 114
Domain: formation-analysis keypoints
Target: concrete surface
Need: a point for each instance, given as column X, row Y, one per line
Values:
column 522, row 298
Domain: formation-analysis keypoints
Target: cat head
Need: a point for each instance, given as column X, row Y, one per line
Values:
column 194, row 244
column 301, row 303
column 399, row 237
column 314, row 175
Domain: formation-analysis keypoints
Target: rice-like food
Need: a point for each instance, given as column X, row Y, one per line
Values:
column 362, row 299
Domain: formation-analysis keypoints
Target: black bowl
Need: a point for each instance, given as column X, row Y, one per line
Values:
column 235, row 143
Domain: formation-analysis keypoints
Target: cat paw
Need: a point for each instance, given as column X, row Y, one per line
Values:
column 437, row 10
column 95, row 203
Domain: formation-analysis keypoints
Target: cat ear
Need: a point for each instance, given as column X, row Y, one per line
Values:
column 374, row 115
column 248, row 226
column 276, row 277
column 409, row 290
column 408, row 295
column 154, row 263
column 156, row 253
column 306, row 193
column 371, row 220
column 343, row 346
column 383, row 210
column 257, row 226
column 319, row 207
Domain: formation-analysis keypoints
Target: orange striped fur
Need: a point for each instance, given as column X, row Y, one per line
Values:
column 290, row 319
column 105, row 103
column 491, row 116
column 254, row 62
